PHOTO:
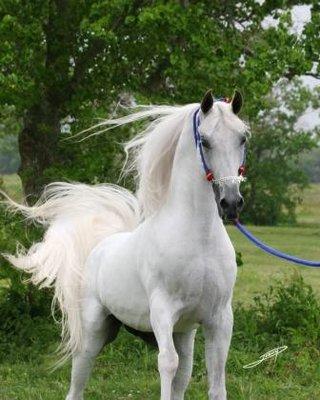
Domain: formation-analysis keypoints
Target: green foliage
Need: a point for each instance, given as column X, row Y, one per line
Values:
column 284, row 314
column 275, row 179
column 239, row 258
column 310, row 163
column 26, row 322
column 24, row 309
column 9, row 128
column 95, row 160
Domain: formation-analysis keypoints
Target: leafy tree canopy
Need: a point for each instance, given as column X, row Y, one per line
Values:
column 73, row 58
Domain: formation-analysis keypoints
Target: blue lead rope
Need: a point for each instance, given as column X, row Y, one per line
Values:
column 273, row 251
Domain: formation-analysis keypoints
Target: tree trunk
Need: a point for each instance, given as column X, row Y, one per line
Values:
column 38, row 143
column 38, row 140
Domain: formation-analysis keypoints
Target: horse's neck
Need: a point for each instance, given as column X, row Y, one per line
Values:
column 189, row 193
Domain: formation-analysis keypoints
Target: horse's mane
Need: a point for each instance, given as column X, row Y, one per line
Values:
column 150, row 154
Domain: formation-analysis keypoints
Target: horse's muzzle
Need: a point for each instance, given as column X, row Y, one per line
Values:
column 231, row 208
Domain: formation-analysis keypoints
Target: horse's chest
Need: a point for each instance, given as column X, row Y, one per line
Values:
column 192, row 278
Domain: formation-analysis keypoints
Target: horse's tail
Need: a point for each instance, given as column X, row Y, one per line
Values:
column 77, row 217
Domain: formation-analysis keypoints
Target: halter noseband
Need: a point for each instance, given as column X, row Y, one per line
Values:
column 208, row 172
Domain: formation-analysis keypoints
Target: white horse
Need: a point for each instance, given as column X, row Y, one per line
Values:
column 161, row 262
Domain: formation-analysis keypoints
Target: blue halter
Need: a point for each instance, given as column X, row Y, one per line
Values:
column 199, row 146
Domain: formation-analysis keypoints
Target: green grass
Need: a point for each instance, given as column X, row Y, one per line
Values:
column 127, row 368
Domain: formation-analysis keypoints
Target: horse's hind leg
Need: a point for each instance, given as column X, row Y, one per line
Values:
column 98, row 329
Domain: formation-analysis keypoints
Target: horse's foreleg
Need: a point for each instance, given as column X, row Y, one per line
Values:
column 184, row 343
column 162, row 325
column 98, row 329
column 217, row 341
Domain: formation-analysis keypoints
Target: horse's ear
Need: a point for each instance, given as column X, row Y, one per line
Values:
column 236, row 102
column 207, row 102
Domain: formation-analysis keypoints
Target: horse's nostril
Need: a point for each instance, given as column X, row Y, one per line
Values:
column 240, row 203
column 224, row 204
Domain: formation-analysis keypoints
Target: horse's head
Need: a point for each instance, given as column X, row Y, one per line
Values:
column 223, row 138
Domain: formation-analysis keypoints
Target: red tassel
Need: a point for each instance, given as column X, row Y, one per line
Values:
column 209, row 176
column 242, row 170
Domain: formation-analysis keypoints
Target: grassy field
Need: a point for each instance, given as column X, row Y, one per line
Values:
column 127, row 368
column 261, row 269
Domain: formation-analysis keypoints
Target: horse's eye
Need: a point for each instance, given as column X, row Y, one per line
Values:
column 205, row 142
column 243, row 140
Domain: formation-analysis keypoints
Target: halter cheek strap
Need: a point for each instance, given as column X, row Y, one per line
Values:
column 208, row 172
column 199, row 146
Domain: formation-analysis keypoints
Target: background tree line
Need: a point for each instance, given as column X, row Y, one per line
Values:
column 66, row 62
